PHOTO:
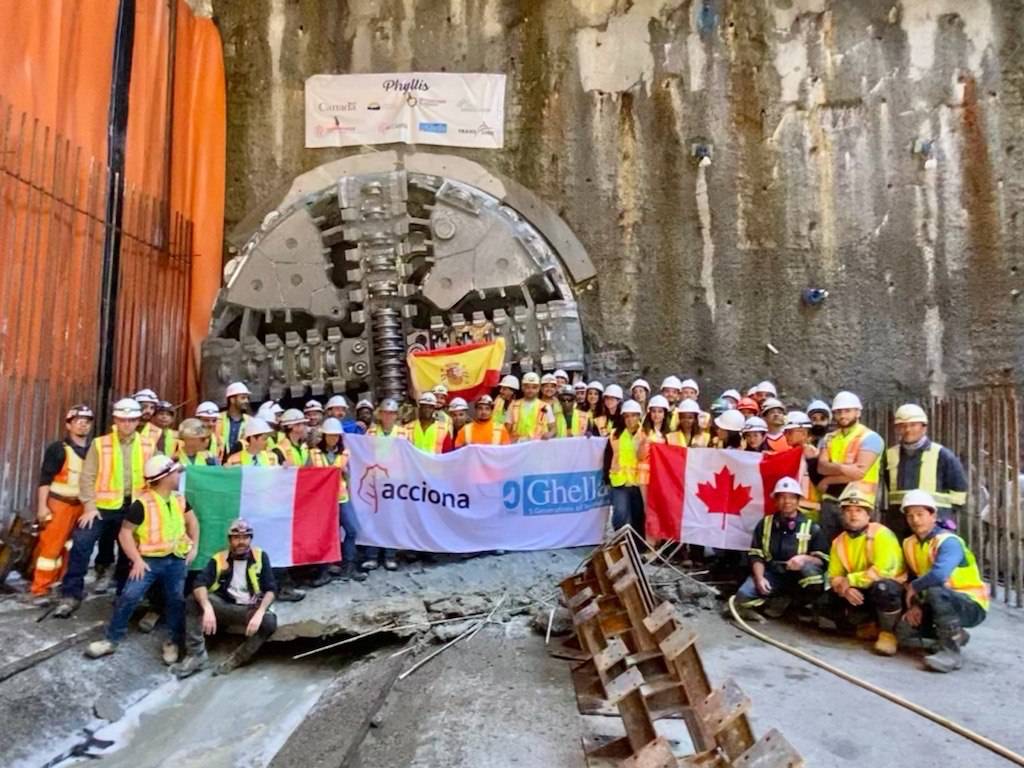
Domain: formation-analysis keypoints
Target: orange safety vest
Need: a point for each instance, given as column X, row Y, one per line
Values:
column 319, row 459
column 483, row 433
column 65, row 482
column 111, row 489
column 162, row 531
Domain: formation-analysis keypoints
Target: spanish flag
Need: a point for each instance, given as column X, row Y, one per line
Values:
column 469, row 370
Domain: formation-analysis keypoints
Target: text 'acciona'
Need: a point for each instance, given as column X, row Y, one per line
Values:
column 423, row 492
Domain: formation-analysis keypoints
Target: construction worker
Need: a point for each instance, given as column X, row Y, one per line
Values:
column 866, row 572
column 387, row 421
column 671, row 388
column 689, row 390
column 918, row 463
column 640, row 391
column 230, row 429
column 314, row 412
column 163, row 419
column 549, row 394
column 688, row 433
column 821, row 418
column 159, row 534
column 748, row 406
column 193, row 439
column 561, row 378
column 731, row 396
column 774, row 414
column 529, row 418
column 788, row 556
column 428, row 433
column 58, row 505
column 754, row 431
column 233, row 592
column 592, row 397
column 729, row 430
column 946, row 594
column 440, row 393
column 255, row 451
column 149, row 402
column 761, row 392
column 580, row 388
column 571, row 420
column 337, row 408
column 458, row 414
column 292, row 447
column 208, row 413
column 364, row 415
column 483, row 430
column 607, row 418
column 111, row 474
column 851, row 453
column 268, row 413
column 798, row 435
column 508, row 387
column 626, row 445
column 655, row 429
column 331, row 452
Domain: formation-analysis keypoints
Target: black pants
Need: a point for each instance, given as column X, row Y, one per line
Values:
column 230, row 618
column 945, row 609
column 882, row 603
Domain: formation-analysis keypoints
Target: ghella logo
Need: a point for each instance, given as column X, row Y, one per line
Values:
column 556, row 494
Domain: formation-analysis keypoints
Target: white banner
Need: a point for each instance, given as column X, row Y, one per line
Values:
column 540, row 495
column 446, row 108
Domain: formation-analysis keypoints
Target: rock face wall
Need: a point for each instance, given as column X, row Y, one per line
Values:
column 872, row 148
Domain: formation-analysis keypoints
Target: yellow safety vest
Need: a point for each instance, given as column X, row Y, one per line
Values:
column 220, row 560
column 578, row 425
column 843, row 449
column 396, row 431
column 224, row 429
column 162, row 532
column 529, row 419
column 201, row 457
column 431, row 439
column 65, row 482
column 868, row 558
column 625, row 459
column 681, row 439
column 319, row 459
column 966, row 578
column 110, row 486
column 927, row 478
column 294, row 455
column 246, row 459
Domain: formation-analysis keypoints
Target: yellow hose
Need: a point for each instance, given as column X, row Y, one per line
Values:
column 977, row 738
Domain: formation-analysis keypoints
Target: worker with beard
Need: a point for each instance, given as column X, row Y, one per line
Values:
column 232, row 422
column 821, row 419
column 530, row 418
column 483, row 430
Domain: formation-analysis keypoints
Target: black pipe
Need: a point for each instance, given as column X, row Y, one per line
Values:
column 117, row 131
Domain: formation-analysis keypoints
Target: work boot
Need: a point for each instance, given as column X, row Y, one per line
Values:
column 100, row 648
column 104, row 580
column 369, row 565
column 947, row 658
column 868, row 631
column 190, row 666
column 336, row 571
column 239, row 656
column 148, row 622
column 390, row 565
column 169, row 652
column 289, row 594
column 67, row 606
column 776, row 607
column 322, row 578
column 349, row 572
column 886, row 644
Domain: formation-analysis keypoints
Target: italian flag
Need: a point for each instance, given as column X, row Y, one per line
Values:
column 712, row 496
column 293, row 511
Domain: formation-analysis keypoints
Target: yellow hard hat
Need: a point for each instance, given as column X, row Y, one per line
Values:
column 855, row 496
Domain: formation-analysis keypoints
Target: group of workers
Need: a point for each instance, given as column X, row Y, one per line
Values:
column 820, row 547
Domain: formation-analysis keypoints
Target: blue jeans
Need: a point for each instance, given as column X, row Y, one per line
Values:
column 169, row 572
column 372, row 553
column 83, row 541
column 628, row 508
column 347, row 513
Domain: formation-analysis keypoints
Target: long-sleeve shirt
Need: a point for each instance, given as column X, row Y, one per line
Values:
column 947, row 559
column 91, row 468
column 785, row 540
column 849, row 557
column 949, row 473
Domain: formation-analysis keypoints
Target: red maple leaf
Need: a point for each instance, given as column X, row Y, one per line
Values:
column 725, row 497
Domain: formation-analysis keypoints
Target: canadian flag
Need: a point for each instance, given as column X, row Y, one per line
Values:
column 712, row 496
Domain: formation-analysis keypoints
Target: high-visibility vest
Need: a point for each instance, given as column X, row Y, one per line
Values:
column 65, row 482
column 643, row 470
column 843, row 449
column 777, row 444
column 803, row 541
column 396, row 431
column 927, row 478
column 625, row 458
column 872, row 556
column 700, row 440
column 294, row 455
column 110, row 486
column 444, row 419
column 319, row 459
column 966, row 578
column 201, row 458
column 603, row 424
column 498, row 414
column 528, row 419
column 483, row 433
column 431, row 439
column 151, row 434
column 252, row 572
column 162, row 531
column 245, row 459
column 223, row 431
column 578, row 424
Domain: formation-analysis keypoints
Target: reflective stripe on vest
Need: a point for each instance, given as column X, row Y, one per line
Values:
column 110, row 485
column 842, row 544
column 200, row 458
column 529, row 419
column 162, row 532
column 803, row 537
column 431, row 439
column 965, row 578
column 294, row 455
column 396, row 431
column 65, row 482
column 577, row 427
column 843, row 449
column 246, row 459
column 319, row 459
column 220, row 560
column 927, row 478
column 224, row 429
column 624, row 459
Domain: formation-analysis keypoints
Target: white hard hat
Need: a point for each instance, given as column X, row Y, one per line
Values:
column 855, row 495
column 440, row 389
column 752, row 391
column 690, row 384
column 484, row 400
column 631, row 406
column 257, row 426
column 770, row 403
column 818, row 405
column 364, row 404
column 671, row 382
column 509, row 381
column 755, row 424
column 911, row 413
column 80, row 411
column 127, row 408
column 613, row 390
column 291, row 417
column 548, row 378
column 277, row 408
column 236, row 388
column 918, row 498
column 787, row 485
column 732, row 393
column 766, row 386
column 688, row 406
column 266, row 412
column 566, row 390
column 314, row 405
column 730, row 421
column 427, row 398
column 389, row 405
column 596, row 385
column 560, row 374
column 579, row 386
column 158, row 466
column 458, row 404
column 531, row 378
column 146, row 396
column 640, row 383
column 208, row 409
column 331, row 426
column 337, row 401
column 658, row 401
column 846, row 400
column 797, row 420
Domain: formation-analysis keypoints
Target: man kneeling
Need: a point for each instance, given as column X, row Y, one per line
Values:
column 234, row 591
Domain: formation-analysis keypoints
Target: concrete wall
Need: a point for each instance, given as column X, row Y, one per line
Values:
column 813, row 108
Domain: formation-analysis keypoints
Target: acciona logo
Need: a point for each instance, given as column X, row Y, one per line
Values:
column 423, row 492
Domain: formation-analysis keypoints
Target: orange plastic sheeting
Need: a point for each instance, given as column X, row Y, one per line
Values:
column 145, row 166
column 55, row 64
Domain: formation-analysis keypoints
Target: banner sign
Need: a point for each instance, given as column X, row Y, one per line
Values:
column 538, row 495
column 446, row 108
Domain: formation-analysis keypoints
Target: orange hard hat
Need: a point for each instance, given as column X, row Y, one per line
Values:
column 748, row 404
